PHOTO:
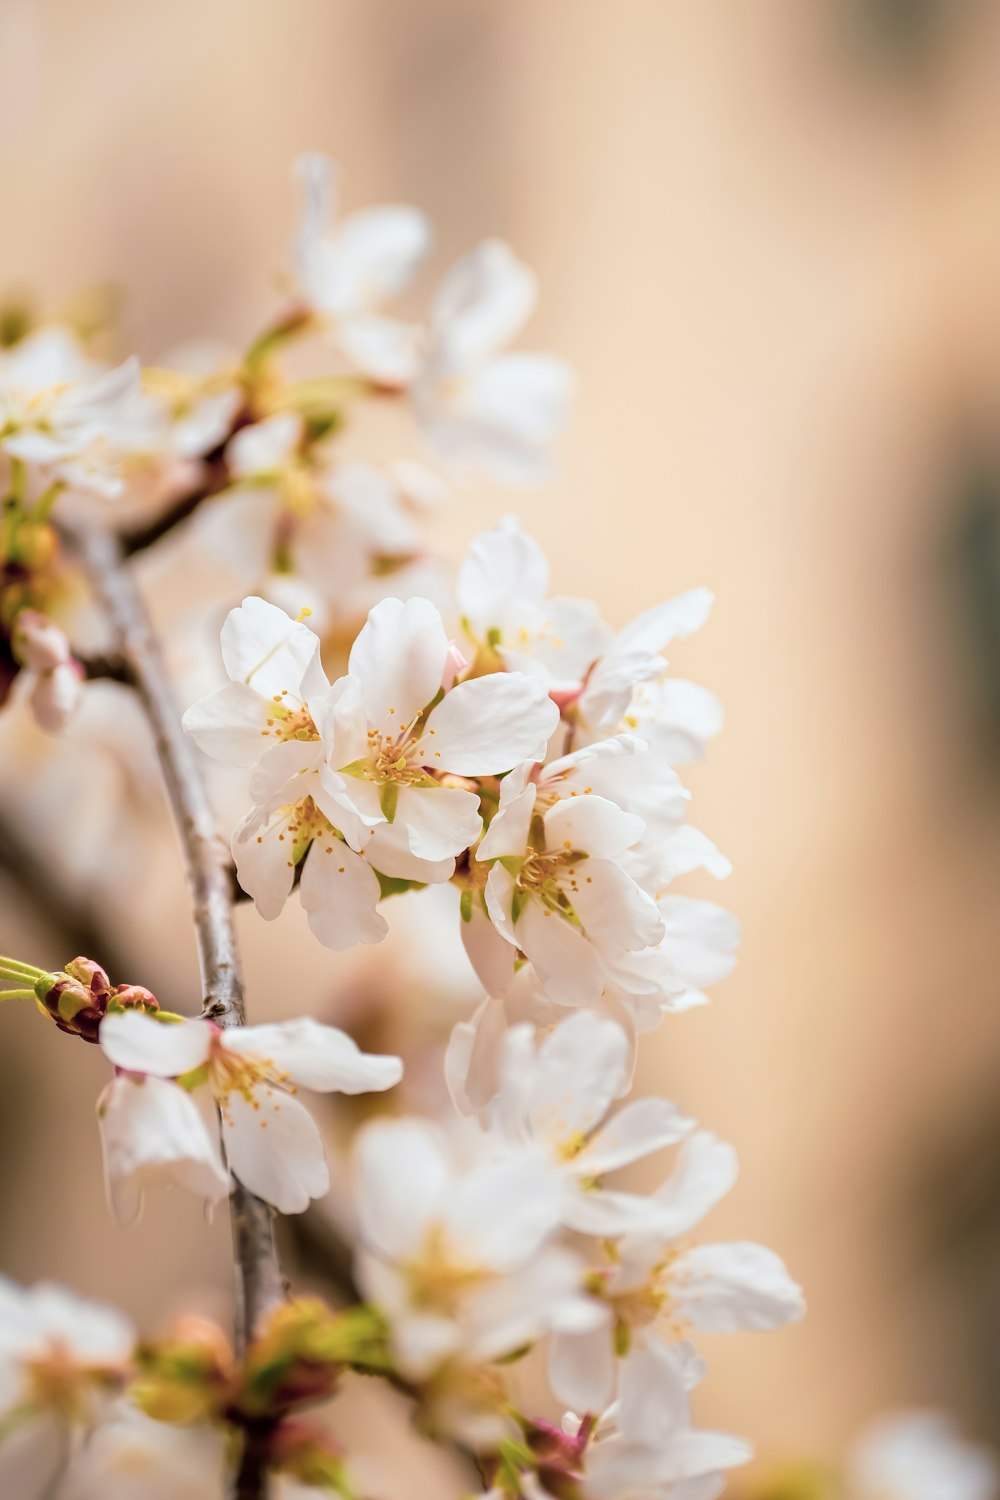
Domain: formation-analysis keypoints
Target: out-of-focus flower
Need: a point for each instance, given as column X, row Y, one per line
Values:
column 129, row 1456
column 554, row 1095
column 479, row 406
column 347, row 271
column 652, row 1284
column 457, row 1261
column 645, row 1444
column 253, row 1072
column 56, row 408
column 60, row 1356
column 921, row 1455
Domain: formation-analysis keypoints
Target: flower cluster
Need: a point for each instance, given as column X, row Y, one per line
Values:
column 479, row 734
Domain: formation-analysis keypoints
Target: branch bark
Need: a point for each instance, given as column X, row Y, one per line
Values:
column 259, row 1283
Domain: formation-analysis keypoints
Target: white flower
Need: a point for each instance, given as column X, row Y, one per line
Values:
column 557, row 890
column 272, row 1143
column 397, row 737
column 57, row 407
column 554, row 1097
column 458, row 1261
column 626, row 687
column 347, row 272
column 129, row 1455
column 153, row 1134
column 645, row 1445
column 58, row 1353
column 275, row 672
column 480, row 406
column 333, row 525
column 921, row 1455
column 502, row 589
column 653, row 1283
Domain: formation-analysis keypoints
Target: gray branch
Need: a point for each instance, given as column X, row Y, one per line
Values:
column 259, row 1283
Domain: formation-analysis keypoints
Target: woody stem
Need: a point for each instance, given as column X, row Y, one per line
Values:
column 259, row 1283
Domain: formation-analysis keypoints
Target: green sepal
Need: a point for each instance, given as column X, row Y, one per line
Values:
column 394, row 885
column 465, row 905
column 387, row 799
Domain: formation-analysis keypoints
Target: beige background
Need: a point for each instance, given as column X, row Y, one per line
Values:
column 773, row 252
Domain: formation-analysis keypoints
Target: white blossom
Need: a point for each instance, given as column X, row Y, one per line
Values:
column 554, row 1096
column 920, row 1455
column 347, row 271
column 271, row 1141
column 458, row 1260
column 482, row 407
column 645, row 1444
column 57, row 1354
column 654, row 1286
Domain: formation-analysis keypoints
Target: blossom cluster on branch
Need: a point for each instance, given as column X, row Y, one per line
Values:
column 397, row 728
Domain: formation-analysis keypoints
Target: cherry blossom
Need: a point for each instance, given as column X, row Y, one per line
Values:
column 346, row 272
column 59, row 1354
column 404, row 748
column 654, row 1284
column 45, row 652
column 271, row 1141
column 920, row 1455
column 457, row 1261
column 558, row 892
column 479, row 406
column 554, row 1097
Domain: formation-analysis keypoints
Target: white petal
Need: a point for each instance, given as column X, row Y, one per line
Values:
column 706, row 1170
column 508, row 831
column 229, row 725
column 386, row 1154
column 501, row 565
column 582, row 1369
column 33, row 1455
column 565, row 962
column 264, row 447
column 340, row 891
column 500, row 1213
column 385, row 348
column 398, row 659
column 262, row 853
column 485, row 726
column 592, row 824
column 511, row 1311
column 489, row 953
column 726, row 1288
column 640, row 1127
column 274, row 654
column 617, row 915
column 655, row 628
column 441, row 822
column 275, row 1149
column 166, row 1049
column 579, row 1070
column 376, row 252
column 388, row 851
column 153, row 1134
column 481, row 304
column 316, row 1056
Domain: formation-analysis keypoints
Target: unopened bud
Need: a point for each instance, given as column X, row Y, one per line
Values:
column 189, row 1376
column 55, row 696
column 130, row 995
column 307, row 1453
column 40, row 645
column 90, row 974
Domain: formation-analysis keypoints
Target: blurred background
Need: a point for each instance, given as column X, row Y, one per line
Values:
column 768, row 237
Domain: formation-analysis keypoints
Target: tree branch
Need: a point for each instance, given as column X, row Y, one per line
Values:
column 259, row 1283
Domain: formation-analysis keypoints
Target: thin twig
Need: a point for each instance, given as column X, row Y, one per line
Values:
column 138, row 538
column 259, row 1283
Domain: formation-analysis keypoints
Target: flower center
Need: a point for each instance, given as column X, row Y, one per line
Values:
column 286, row 722
column 439, row 1279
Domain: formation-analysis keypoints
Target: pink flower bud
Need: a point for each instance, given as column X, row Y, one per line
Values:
column 454, row 663
column 41, row 646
